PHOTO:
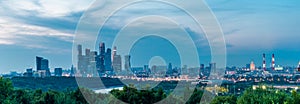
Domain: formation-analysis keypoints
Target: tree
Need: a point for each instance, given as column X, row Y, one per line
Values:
column 6, row 89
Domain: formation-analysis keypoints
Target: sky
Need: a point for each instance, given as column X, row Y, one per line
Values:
column 46, row 28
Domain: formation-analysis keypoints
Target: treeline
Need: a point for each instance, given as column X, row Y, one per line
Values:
column 129, row 94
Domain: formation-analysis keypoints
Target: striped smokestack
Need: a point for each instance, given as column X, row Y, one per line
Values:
column 273, row 61
column 264, row 62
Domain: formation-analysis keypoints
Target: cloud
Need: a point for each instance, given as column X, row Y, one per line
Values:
column 45, row 8
column 13, row 30
column 27, row 20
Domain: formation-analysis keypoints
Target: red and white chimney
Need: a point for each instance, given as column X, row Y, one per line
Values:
column 264, row 62
column 273, row 61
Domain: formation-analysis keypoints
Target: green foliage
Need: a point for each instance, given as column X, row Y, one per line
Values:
column 224, row 100
column 129, row 94
column 260, row 95
column 6, row 89
column 132, row 95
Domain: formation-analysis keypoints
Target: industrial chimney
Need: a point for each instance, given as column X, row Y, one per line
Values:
column 264, row 62
column 273, row 61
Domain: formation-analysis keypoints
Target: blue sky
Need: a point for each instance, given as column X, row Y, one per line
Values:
column 46, row 28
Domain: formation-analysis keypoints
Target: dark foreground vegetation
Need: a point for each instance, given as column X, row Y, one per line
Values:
column 260, row 95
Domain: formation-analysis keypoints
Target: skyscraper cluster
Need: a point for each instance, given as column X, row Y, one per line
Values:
column 105, row 63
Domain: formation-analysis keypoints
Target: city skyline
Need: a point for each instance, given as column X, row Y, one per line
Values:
column 34, row 28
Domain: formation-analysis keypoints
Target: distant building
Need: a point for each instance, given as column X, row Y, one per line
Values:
column 248, row 66
column 42, row 66
column 107, row 60
column 101, row 58
column 252, row 66
column 158, row 70
column 28, row 73
column 170, row 69
column 213, row 67
column 116, row 61
column 72, row 73
column 127, row 64
column 299, row 66
column 201, row 68
column 58, row 72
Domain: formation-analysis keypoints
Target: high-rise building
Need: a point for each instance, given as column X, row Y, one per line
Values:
column 92, row 69
column 100, row 58
column 79, row 49
column 170, row 69
column 127, row 64
column 252, row 66
column 58, row 72
column 107, row 60
column 80, row 62
column 116, row 61
column 213, row 67
column 38, row 63
column 42, row 66
column 72, row 73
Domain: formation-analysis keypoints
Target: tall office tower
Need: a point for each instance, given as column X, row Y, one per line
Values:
column 80, row 62
column 273, row 61
column 42, row 66
column 85, row 62
column 116, row 60
column 264, row 62
column 252, row 66
column 127, row 64
column 72, row 73
column 92, row 70
column 102, row 48
column 170, row 69
column 108, row 63
column 213, row 67
column 38, row 63
column 79, row 48
column 184, row 69
column 101, row 58
column 114, row 53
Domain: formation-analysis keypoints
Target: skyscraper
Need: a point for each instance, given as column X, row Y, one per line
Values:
column 80, row 62
column 92, row 69
column 42, row 66
column 107, row 60
column 100, row 58
column 116, row 61
column 127, row 63
column 170, row 69
column 38, row 63
column 213, row 68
